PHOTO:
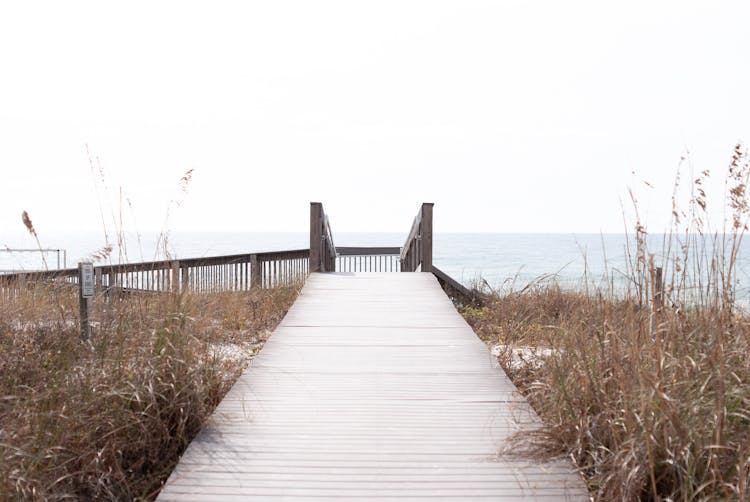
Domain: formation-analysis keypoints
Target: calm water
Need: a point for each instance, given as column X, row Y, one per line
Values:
column 503, row 260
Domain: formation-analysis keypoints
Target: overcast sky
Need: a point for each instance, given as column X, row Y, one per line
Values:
column 511, row 116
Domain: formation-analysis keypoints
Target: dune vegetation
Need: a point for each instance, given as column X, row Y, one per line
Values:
column 108, row 420
column 646, row 386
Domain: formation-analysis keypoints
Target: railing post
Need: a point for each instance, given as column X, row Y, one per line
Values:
column 174, row 285
column 316, row 237
column 185, row 280
column 426, row 237
column 97, row 280
column 254, row 272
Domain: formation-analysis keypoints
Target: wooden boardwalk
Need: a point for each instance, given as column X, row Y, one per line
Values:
column 373, row 387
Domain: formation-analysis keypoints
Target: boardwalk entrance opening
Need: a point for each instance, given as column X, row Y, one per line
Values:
column 414, row 256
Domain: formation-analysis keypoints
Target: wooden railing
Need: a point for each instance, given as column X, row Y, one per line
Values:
column 254, row 270
column 219, row 273
column 322, row 248
column 416, row 255
column 368, row 259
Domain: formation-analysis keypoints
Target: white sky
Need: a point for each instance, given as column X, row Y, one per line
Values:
column 510, row 115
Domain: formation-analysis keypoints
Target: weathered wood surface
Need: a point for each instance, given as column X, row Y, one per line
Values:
column 373, row 387
column 322, row 247
column 416, row 254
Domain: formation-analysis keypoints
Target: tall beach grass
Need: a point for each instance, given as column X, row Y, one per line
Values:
column 108, row 420
column 648, row 393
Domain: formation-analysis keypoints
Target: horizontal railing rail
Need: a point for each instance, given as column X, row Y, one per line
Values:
column 216, row 273
column 366, row 251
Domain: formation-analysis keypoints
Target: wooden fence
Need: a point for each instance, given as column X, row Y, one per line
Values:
column 219, row 273
column 368, row 259
column 415, row 255
column 255, row 270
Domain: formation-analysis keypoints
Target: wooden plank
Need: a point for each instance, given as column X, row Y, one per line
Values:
column 373, row 387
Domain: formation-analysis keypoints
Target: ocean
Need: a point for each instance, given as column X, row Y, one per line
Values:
column 501, row 261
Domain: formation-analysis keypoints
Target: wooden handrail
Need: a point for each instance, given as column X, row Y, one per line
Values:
column 213, row 273
column 330, row 247
column 413, row 235
column 148, row 266
column 417, row 251
column 367, row 259
column 242, row 271
column 367, row 251
column 456, row 289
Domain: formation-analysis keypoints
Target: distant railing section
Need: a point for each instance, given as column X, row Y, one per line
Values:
column 368, row 259
column 416, row 255
column 60, row 265
column 220, row 273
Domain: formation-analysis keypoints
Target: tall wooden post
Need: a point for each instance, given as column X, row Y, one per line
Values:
column 97, row 281
column 658, row 289
column 426, row 237
column 98, row 291
column 316, row 237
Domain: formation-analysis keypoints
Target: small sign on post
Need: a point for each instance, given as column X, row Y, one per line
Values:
column 87, row 280
column 86, row 290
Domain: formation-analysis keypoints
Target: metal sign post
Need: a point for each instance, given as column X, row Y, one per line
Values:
column 86, row 292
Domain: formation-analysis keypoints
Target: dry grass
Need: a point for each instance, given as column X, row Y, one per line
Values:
column 645, row 419
column 109, row 420
column 653, row 404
